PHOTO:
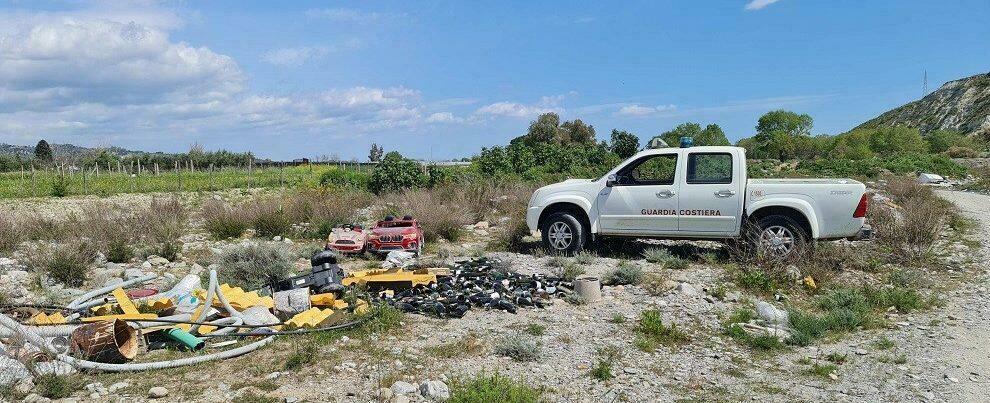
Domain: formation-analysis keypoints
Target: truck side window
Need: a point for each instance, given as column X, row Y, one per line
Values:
column 655, row 170
column 709, row 168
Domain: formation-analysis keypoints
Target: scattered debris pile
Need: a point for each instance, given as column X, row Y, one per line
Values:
column 478, row 283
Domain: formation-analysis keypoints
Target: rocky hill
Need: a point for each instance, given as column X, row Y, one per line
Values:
column 962, row 105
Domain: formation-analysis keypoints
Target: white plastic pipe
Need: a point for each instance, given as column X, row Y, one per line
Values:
column 77, row 303
column 208, row 303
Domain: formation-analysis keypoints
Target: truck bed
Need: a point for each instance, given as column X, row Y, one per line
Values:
column 834, row 198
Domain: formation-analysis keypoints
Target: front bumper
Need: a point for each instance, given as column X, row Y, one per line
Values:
column 408, row 245
column 865, row 233
column 533, row 217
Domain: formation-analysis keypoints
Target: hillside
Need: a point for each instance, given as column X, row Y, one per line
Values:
column 962, row 105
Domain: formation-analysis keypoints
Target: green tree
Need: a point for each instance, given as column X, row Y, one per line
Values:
column 624, row 144
column 396, row 172
column 781, row 121
column 576, row 132
column 712, row 135
column 375, row 155
column 43, row 152
column 544, row 129
column 941, row 140
column 673, row 137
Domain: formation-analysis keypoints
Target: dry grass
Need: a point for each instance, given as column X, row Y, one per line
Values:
column 254, row 265
column 224, row 221
column 10, row 235
column 325, row 209
column 65, row 263
column 440, row 211
column 268, row 217
column 910, row 231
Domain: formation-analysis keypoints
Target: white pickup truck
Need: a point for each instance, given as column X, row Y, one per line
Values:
column 697, row 193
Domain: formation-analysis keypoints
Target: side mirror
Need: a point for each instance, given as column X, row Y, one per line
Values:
column 612, row 180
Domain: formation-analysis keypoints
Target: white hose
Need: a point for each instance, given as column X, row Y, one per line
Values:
column 31, row 337
column 208, row 303
column 77, row 303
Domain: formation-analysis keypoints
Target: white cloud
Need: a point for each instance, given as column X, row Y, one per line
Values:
column 517, row 110
column 441, row 117
column 639, row 110
column 294, row 56
column 759, row 4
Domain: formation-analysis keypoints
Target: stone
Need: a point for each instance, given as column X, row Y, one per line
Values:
column 482, row 225
column 134, row 273
column 157, row 260
column 687, row 289
column 771, row 314
column 434, row 390
column 118, row 387
column 400, row 399
column 157, row 392
column 146, row 265
column 53, row 368
column 11, row 371
column 401, row 388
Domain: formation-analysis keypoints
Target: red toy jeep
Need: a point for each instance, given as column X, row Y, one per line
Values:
column 394, row 234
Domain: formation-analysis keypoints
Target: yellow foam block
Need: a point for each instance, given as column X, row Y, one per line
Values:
column 44, row 319
column 160, row 304
column 326, row 299
column 310, row 318
column 389, row 276
column 238, row 298
column 125, row 303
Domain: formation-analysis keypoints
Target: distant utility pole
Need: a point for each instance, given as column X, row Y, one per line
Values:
column 924, row 85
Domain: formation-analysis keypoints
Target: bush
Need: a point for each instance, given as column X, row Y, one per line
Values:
column 396, row 172
column 518, row 348
column 57, row 386
column 269, row 218
column 440, row 215
column 65, row 263
column 252, row 265
column 112, row 228
column 222, row 221
column 60, row 186
column 652, row 332
column 569, row 271
column 325, row 209
column 625, row 274
column 962, row 152
column 300, row 357
column 164, row 220
column 910, row 233
column 492, row 388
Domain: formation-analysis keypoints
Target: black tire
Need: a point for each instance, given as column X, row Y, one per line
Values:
column 778, row 237
column 563, row 234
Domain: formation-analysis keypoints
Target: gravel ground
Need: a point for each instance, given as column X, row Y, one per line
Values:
column 935, row 355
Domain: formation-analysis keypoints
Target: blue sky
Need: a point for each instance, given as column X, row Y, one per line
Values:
column 440, row 79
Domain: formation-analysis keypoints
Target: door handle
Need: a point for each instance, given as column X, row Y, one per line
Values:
column 665, row 194
column 725, row 193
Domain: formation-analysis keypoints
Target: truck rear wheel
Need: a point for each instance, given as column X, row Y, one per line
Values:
column 563, row 234
column 779, row 237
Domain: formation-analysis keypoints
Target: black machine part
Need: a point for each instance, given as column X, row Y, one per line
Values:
column 325, row 276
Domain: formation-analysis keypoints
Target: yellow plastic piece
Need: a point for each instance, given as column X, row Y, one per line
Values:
column 203, row 329
column 160, row 304
column 810, row 283
column 310, row 318
column 125, row 303
column 322, row 299
column 340, row 304
column 104, row 309
column 238, row 298
column 361, row 306
column 389, row 276
column 44, row 319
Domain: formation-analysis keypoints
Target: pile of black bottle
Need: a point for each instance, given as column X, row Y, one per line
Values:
column 478, row 283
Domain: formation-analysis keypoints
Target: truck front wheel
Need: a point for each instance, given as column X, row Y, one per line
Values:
column 563, row 234
column 779, row 237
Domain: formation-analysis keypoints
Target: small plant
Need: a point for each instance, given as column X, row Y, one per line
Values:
column 607, row 356
column 575, row 299
column 557, row 261
column 837, row 358
column 518, row 348
column 625, row 274
column 757, row 280
column 301, row 357
column 60, row 186
column 10, row 235
column 618, row 318
column 585, row 258
column 468, row 345
column 656, row 283
column 569, row 271
column 884, row 344
column 57, row 386
column 763, row 342
column 270, row 219
column 255, row 264
column 535, row 329
column 822, row 370
column 652, row 332
column 66, row 263
column 890, row 359
column 483, row 388
column 223, row 221
column 657, row 255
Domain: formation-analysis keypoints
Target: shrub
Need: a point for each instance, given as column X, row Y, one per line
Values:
column 60, row 186
column 585, row 258
column 626, row 273
column 484, row 388
column 510, row 234
column 269, row 218
column 222, row 221
column 962, row 152
column 164, row 220
column 10, row 235
column 395, row 172
column 569, row 271
column 911, row 234
column 756, row 279
column 325, row 209
column 66, row 263
column 575, row 299
column 607, row 356
column 112, row 228
column 651, row 332
column 656, row 283
column 518, row 348
column 57, row 386
column 535, row 329
column 37, row 227
column 440, row 216
column 252, row 265
column 300, row 357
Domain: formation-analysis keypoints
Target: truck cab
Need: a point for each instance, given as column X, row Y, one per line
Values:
column 694, row 193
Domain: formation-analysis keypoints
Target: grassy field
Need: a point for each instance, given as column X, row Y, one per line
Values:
column 49, row 183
